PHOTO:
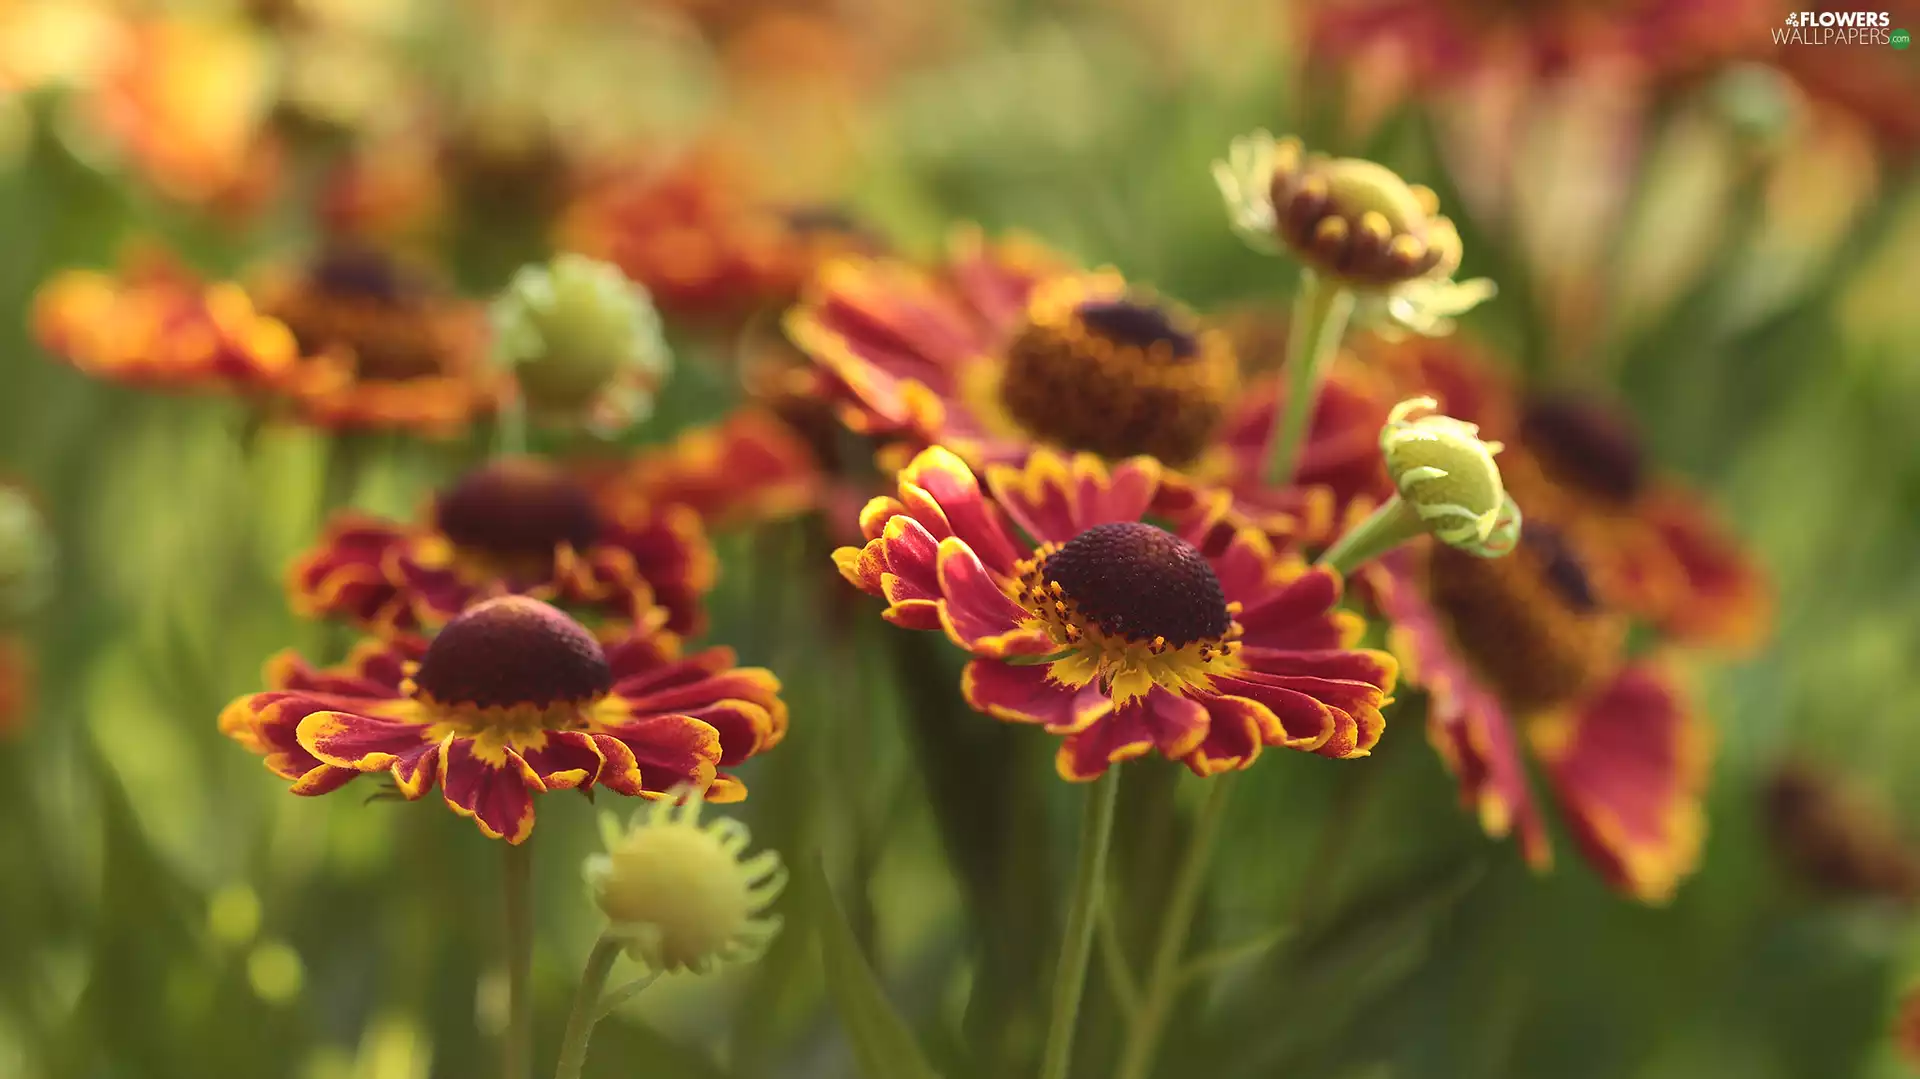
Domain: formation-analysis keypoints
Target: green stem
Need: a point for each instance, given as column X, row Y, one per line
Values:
column 1387, row 527
column 510, row 428
column 1320, row 315
column 1076, row 946
column 586, row 1008
column 1164, row 977
column 516, row 1054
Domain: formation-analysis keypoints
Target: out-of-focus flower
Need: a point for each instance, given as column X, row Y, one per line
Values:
column 1441, row 44
column 583, row 342
column 155, row 326
column 749, row 467
column 680, row 893
column 383, row 191
column 27, row 557
column 703, row 246
column 1007, row 348
column 1652, row 546
column 1519, row 649
column 1830, row 837
column 511, row 699
column 1906, row 1027
column 16, row 682
column 1201, row 643
column 1356, row 224
column 520, row 525
column 185, row 101
column 381, row 345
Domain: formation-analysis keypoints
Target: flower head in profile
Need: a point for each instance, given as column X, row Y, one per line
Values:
column 1355, row 223
column 513, row 525
column 583, row 342
column 680, row 893
column 1197, row 641
column 510, row 699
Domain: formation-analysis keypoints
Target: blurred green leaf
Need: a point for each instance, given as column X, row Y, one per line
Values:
column 882, row 1042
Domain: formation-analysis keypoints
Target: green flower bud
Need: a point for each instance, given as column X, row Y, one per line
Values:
column 26, row 557
column 679, row 892
column 1446, row 473
column 581, row 339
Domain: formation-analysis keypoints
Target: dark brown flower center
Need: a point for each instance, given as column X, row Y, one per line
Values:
column 518, row 508
column 514, row 651
column 369, row 303
column 1117, row 378
column 1139, row 583
column 1586, row 445
column 1530, row 621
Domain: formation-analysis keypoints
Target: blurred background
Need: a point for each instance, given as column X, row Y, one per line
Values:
column 1717, row 229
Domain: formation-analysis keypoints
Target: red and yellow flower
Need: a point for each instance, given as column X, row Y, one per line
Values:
column 352, row 341
column 156, row 327
column 1200, row 643
column 515, row 525
column 512, row 699
column 1518, row 651
column 1007, row 347
column 703, row 246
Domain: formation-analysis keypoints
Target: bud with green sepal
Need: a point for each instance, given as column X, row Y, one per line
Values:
column 1448, row 486
column 583, row 341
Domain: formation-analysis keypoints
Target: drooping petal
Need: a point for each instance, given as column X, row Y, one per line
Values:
column 492, row 785
column 977, row 615
column 1724, row 598
column 1629, row 764
column 668, row 750
column 1026, row 694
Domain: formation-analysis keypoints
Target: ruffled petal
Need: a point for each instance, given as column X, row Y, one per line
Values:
column 492, row 785
column 1025, row 694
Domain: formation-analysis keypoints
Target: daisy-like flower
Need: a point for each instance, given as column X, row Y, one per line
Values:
column 1520, row 651
column 1201, row 643
column 156, row 327
column 512, row 699
column 703, row 246
column 514, row 525
column 680, row 894
column 1653, row 547
column 1006, row 348
column 381, row 345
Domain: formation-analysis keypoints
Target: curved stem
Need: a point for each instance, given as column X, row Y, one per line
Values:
column 516, row 1055
column 586, row 1008
column 1164, row 978
column 1320, row 315
column 1390, row 525
column 1076, row 945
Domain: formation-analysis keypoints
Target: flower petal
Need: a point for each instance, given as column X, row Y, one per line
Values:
column 492, row 785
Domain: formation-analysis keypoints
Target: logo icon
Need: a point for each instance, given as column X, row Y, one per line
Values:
column 1899, row 39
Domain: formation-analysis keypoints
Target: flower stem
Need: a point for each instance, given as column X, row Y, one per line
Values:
column 510, row 428
column 516, row 1055
column 586, row 1008
column 1320, row 315
column 1164, row 977
column 1387, row 527
column 1076, row 946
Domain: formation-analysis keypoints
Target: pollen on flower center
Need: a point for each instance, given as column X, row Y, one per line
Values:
column 1101, row 370
column 1530, row 621
column 517, row 508
column 1585, row 445
column 514, row 653
column 1137, row 583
